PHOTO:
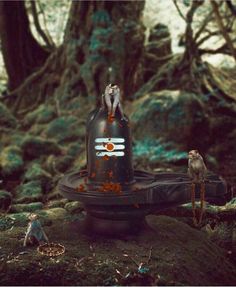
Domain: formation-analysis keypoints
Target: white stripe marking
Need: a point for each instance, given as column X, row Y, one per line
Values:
column 107, row 140
column 112, row 153
column 118, row 146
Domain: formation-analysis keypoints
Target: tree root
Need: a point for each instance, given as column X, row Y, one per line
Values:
column 34, row 86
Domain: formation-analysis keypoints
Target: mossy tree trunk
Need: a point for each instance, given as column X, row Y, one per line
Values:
column 21, row 52
column 103, row 43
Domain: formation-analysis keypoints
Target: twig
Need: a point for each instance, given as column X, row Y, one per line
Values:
column 150, row 255
column 38, row 26
column 222, row 28
column 45, row 24
column 210, row 34
column 178, row 9
column 126, row 255
column 232, row 8
column 204, row 24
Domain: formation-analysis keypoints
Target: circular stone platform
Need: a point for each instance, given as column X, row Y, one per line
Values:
column 128, row 207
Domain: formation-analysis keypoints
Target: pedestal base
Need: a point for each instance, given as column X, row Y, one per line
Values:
column 94, row 225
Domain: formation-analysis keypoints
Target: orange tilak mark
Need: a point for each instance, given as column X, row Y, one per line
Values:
column 93, row 174
column 81, row 188
column 110, row 118
column 110, row 146
column 105, row 157
column 110, row 186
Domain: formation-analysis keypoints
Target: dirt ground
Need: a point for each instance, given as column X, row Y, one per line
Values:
column 173, row 252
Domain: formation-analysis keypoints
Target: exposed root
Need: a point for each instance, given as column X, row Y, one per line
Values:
column 34, row 89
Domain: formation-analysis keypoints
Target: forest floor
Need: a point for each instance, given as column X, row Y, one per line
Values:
column 179, row 255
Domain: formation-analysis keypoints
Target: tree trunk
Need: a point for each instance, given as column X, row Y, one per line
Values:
column 21, row 52
column 110, row 38
column 103, row 43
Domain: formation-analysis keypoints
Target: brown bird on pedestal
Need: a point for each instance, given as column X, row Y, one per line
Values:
column 197, row 171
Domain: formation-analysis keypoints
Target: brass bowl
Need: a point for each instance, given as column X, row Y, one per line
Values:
column 51, row 249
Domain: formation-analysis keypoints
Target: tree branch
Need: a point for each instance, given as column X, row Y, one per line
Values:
column 45, row 23
column 191, row 47
column 210, row 34
column 204, row 24
column 222, row 28
column 178, row 9
column 40, row 31
column 221, row 50
column 232, row 8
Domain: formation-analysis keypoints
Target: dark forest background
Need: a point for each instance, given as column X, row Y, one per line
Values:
column 53, row 77
column 176, row 101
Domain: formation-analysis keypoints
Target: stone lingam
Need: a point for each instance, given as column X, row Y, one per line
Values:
column 115, row 196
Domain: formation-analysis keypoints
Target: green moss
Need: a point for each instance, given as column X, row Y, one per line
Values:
column 30, row 207
column 74, row 207
column 53, row 214
column 101, row 17
column 57, row 203
column 100, row 40
column 43, row 114
column 6, row 222
column 6, row 118
column 35, row 172
column 64, row 129
column 74, row 149
column 37, row 129
column 157, row 151
column 5, row 200
column 64, row 163
column 173, row 115
column 11, row 161
column 34, row 147
column 29, row 192
column 20, row 219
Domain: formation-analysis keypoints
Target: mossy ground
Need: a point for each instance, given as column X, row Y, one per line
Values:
column 180, row 255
